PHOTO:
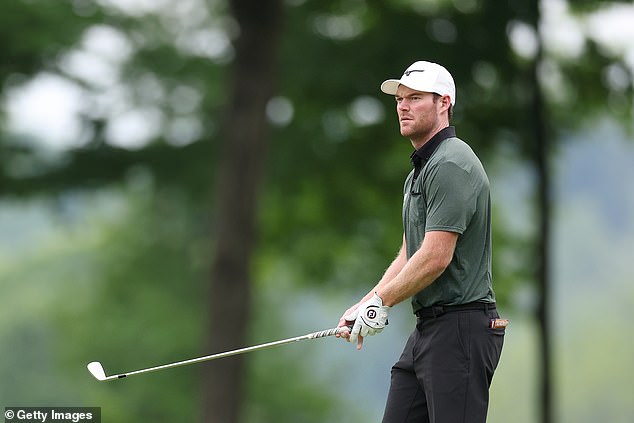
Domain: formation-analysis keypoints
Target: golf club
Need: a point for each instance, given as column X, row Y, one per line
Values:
column 96, row 369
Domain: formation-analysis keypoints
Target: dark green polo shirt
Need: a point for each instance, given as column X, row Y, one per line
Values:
column 450, row 192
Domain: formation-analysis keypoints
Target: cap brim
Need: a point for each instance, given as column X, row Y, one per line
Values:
column 390, row 86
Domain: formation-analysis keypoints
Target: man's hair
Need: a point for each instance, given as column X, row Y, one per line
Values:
column 450, row 111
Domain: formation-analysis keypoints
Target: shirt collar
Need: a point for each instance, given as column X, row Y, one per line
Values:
column 420, row 156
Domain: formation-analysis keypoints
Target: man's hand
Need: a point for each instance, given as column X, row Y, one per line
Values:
column 351, row 313
column 369, row 319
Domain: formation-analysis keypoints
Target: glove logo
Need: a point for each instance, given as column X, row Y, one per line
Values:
column 371, row 313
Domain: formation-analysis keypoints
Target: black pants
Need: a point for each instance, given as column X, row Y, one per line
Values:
column 445, row 370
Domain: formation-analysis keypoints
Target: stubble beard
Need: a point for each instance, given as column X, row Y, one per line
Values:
column 419, row 132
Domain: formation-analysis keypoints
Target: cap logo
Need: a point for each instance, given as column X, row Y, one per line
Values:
column 407, row 73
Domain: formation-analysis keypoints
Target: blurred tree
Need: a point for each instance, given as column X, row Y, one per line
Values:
column 240, row 172
column 560, row 90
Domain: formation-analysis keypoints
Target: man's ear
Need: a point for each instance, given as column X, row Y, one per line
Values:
column 446, row 101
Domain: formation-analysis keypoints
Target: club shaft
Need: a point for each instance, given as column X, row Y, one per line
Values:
column 313, row 335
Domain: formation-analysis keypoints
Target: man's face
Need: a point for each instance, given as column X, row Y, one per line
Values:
column 419, row 115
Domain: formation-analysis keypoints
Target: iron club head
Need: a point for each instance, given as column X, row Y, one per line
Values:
column 96, row 369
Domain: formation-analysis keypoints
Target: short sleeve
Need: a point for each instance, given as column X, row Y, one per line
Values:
column 451, row 198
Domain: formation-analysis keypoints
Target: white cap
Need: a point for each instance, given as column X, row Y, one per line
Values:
column 424, row 76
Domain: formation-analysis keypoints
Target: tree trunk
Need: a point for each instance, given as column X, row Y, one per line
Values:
column 240, row 170
column 542, row 245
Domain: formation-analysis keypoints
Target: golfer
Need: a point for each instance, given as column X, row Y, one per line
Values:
column 444, row 266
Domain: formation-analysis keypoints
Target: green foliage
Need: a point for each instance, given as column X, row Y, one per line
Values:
column 34, row 32
column 120, row 283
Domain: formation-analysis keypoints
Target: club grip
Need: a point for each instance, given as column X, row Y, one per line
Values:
column 328, row 332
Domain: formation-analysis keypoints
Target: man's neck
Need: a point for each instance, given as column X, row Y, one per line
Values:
column 421, row 141
column 423, row 154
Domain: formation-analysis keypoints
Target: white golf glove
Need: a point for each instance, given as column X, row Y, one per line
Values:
column 369, row 318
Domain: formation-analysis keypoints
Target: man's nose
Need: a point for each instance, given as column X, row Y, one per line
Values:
column 403, row 105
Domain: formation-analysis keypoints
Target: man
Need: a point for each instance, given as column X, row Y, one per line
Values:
column 444, row 266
